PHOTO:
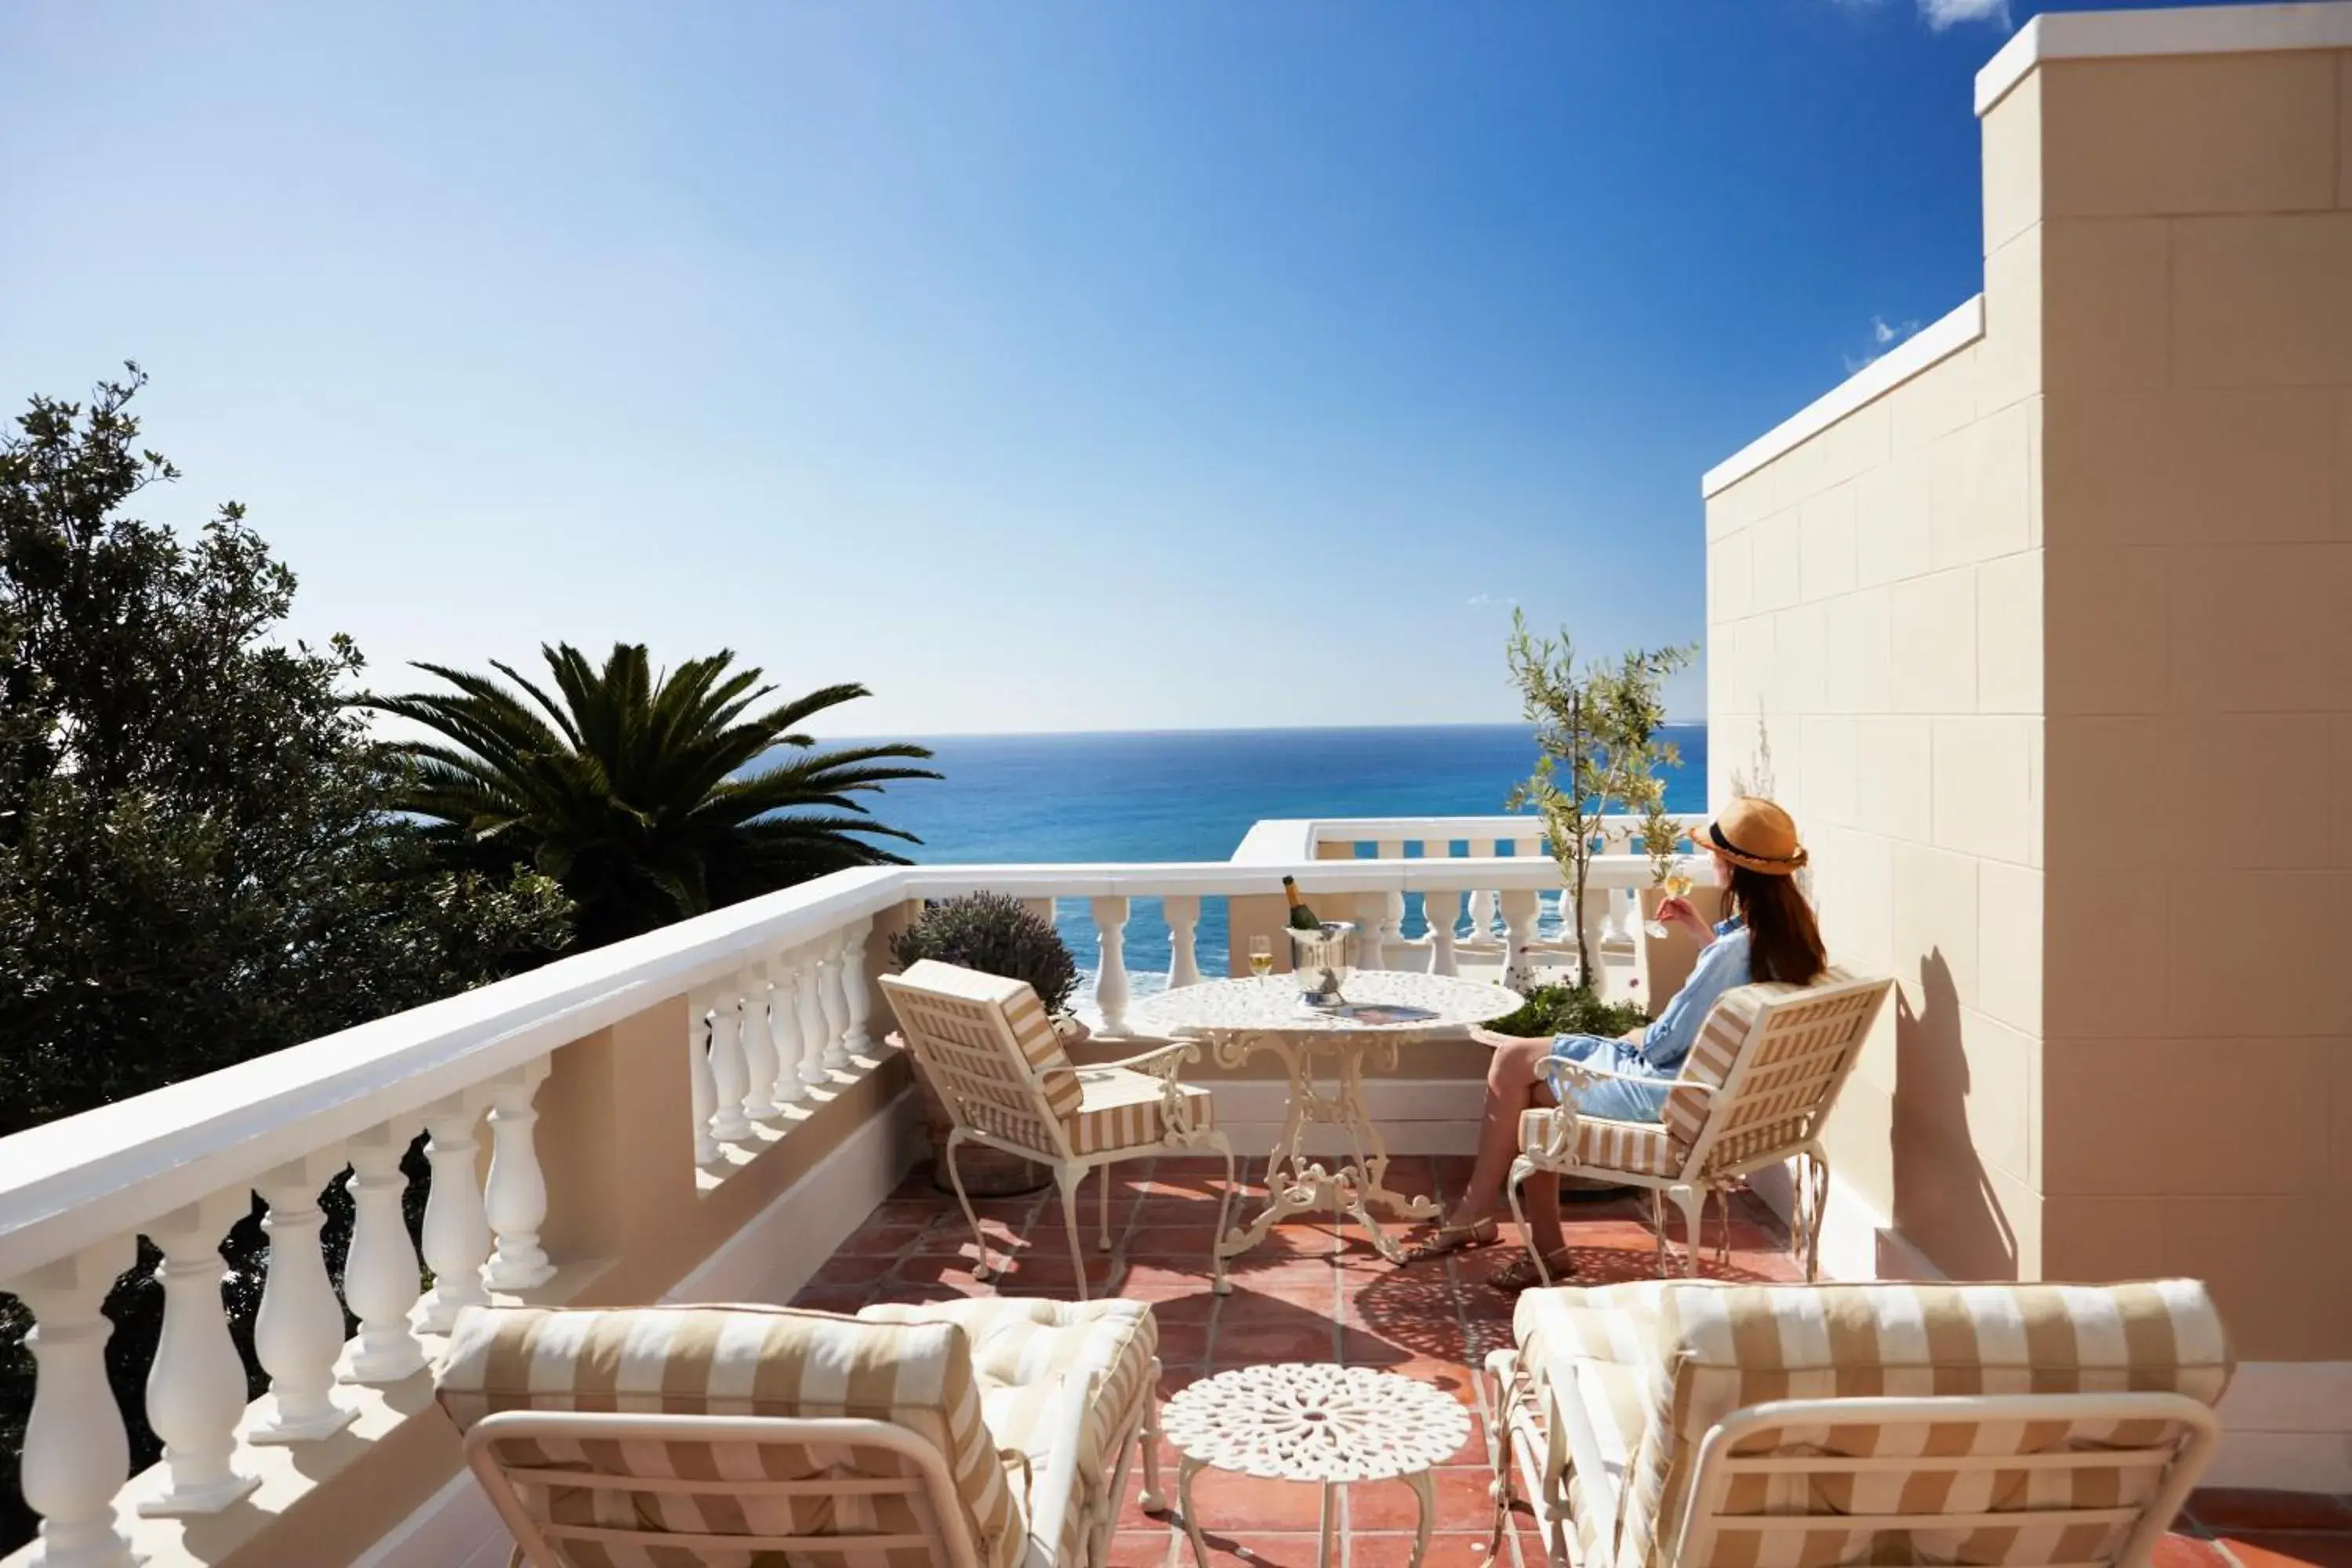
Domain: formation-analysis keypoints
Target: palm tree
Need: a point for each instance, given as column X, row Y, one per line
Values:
column 631, row 792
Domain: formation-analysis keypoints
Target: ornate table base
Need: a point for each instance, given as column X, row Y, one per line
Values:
column 1298, row 1185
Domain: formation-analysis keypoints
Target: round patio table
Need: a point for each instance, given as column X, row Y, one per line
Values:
column 1384, row 1009
column 1323, row 1425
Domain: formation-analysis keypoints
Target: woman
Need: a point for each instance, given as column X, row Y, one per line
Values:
column 1768, row 936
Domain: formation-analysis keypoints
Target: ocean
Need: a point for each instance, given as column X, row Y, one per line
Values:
column 1191, row 795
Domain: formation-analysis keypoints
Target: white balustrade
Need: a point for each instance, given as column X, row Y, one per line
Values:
column 807, row 981
column 381, row 1275
column 1595, row 925
column 195, row 1385
column 515, row 1200
column 702, row 1090
column 730, row 1077
column 1112, row 989
column 855, row 1039
column 1519, row 926
column 1442, row 909
column 1042, row 908
column 298, row 1332
column 1183, row 917
column 832, row 997
column 75, row 1452
column 457, row 1228
column 784, row 1030
column 1371, row 939
column 1392, row 934
column 759, row 1048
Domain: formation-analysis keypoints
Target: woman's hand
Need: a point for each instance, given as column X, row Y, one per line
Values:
column 1677, row 914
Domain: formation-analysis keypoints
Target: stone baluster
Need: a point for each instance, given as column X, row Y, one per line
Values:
column 1372, row 941
column 702, row 1092
column 381, row 1276
column 298, row 1334
column 833, row 999
column 759, row 1048
column 1482, row 899
column 729, row 1078
column 1390, row 849
column 1112, row 989
column 1183, row 918
column 1595, row 925
column 76, row 1452
column 1519, row 935
column 784, row 1029
column 809, row 1008
column 1042, row 908
column 515, row 1201
column 195, row 1385
column 456, row 1227
column 1392, row 933
column 1442, row 909
column 855, row 1039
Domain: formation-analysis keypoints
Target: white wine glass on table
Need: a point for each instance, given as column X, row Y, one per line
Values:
column 1261, row 956
column 1675, row 884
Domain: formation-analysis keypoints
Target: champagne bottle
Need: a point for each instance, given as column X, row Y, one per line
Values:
column 1301, row 917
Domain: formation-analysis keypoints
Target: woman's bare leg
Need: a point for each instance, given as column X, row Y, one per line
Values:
column 1512, row 1086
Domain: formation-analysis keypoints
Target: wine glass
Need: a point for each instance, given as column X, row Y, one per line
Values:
column 1261, row 956
column 1676, row 884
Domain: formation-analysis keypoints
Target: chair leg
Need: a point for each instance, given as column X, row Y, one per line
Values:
column 1658, row 1226
column 1147, row 1436
column 1102, row 1208
column 1691, row 1201
column 1068, row 1178
column 1219, row 1284
column 956, row 1137
column 1521, row 1169
column 1815, row 1172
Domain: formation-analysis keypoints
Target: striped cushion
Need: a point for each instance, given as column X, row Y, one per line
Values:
column 1604, row 1322
column 1021, row 1350
column 1610, row 1395
column 987, row 1048
column 1779, row 1106
column 735, row 1361
column 1041, row 1047
column 1121, row 1110
column 1722, row 1348
column 1636, row 1148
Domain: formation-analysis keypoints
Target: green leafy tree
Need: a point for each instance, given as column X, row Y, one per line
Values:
column 1597, row 747
column 197, row 861
column 637, row 793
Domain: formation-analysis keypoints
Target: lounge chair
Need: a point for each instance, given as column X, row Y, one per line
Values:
column 989, row 1433
column 1698, row 1423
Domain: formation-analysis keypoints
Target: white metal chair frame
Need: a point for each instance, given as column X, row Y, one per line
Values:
column 1699, row 1174
column 1045, row 1507
column 1545, row 1428
column 1179, row 1132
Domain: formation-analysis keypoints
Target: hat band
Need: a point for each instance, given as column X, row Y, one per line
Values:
column 1715, row 831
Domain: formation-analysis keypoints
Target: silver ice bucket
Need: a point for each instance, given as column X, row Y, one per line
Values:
column 1323, row 960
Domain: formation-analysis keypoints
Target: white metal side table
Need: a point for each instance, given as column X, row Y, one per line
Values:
column 1240, row 1019
column 1318, row 1424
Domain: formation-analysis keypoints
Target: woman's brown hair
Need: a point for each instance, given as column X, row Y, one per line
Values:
column 1783, row 942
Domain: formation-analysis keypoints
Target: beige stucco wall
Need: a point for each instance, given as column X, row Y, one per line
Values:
column 2016, row 630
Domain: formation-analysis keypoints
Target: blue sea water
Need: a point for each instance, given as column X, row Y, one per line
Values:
column 1191, row 794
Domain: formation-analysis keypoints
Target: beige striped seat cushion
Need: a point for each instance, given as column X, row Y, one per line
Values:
column 738, row 1362
column 1577, row 1322
column 1121, row 1110
column 1722, row 1348
column 1612, row 1396
column 985, row 1042
column 1022, row 1349
column 1797, row 1084
column 1638, row 1148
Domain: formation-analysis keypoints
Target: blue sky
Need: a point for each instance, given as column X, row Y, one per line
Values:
column 1042, row 365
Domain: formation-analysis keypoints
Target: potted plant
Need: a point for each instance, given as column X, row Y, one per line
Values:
column 996, row 934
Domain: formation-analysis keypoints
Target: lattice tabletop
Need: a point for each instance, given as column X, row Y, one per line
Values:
column 1325, row 1425
column 1269, row 1003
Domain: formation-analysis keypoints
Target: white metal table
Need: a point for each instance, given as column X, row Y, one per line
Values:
column 1325, row 1425
column 1240, row 1019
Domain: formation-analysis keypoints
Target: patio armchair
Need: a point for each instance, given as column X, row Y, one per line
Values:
column 992, row 1057
column 1696, row 1422
column 989, row 1433
column 1754, row 1091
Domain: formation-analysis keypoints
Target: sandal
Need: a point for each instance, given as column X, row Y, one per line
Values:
column 1519, row 1274
column 1450, row 1238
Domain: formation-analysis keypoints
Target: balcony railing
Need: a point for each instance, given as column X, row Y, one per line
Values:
column 752, row 1026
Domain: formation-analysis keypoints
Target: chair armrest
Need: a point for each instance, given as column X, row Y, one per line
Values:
column 1555, row 1069
column 1160, row 1061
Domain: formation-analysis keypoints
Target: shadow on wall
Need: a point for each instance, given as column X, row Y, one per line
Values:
column 1944, row 1203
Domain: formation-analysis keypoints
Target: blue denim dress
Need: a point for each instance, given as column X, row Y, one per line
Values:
column 1663, row 1045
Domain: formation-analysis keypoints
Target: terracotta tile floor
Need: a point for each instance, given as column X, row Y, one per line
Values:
column 1314, row 1292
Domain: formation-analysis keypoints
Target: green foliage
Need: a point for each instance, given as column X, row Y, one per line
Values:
column 996, row 934
column 1598, row 751
column 631, row 792
column 1570, row 1010
column 197, row 861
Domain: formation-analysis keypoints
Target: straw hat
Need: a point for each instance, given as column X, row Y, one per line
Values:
column 1756, row 834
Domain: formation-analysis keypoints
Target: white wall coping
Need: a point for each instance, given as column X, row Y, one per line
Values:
column 2124, row 35
column 1920, row 351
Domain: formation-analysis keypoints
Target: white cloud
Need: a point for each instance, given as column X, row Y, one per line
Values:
column 1942, row 13
column 1479, row 601
column 1883, row 335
